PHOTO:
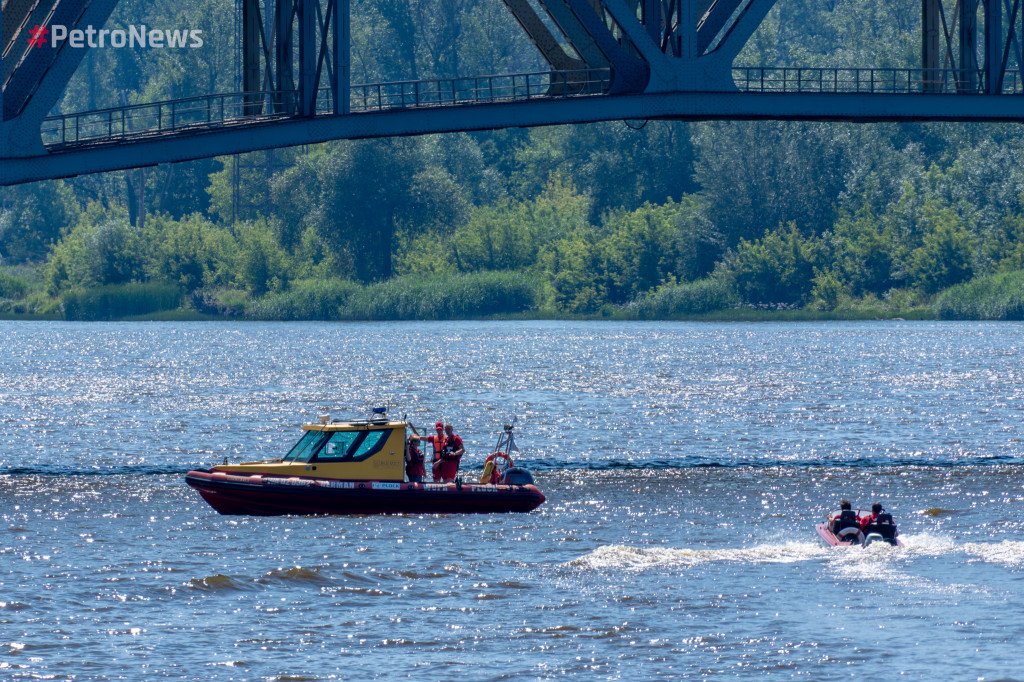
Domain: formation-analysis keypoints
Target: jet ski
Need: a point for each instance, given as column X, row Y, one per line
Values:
column 844, row 528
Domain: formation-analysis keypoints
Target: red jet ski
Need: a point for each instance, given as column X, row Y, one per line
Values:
column 844, row 528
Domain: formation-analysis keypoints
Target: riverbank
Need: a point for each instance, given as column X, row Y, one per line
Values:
column 492, row 296
column 731, row 315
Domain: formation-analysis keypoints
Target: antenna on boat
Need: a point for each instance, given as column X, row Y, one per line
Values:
column 506, row 440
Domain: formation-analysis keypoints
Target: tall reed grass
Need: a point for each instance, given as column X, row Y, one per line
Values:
column 995, row 297
column 443, row 298
column 308, row 299
column 119, row 300
column 12, row 286
column 679, row 300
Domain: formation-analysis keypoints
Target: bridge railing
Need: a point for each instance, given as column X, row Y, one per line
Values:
column 476, row 89
column 140, row 120
column 143, row 120
column 869, row 81
column 206, row 111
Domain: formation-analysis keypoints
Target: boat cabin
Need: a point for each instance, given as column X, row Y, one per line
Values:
column 361, row 450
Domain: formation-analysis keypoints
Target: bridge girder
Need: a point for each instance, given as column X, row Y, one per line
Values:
column 658, row 106
column 666, row 59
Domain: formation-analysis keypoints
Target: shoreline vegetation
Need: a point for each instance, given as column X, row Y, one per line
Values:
column 484, row 296
column 714, row 220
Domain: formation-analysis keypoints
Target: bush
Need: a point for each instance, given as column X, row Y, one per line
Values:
column 119, row 300
column 944, row 258
column 691, row 298
column 996, row 297
column 308, row 299
column 455, row 297
column 777, row 269
column 12, row 286
column 221, row 301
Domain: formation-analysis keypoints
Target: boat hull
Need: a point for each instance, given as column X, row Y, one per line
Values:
column 263, row 495
column 828, row 536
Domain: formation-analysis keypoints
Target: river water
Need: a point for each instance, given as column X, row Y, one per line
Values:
column 684, row 465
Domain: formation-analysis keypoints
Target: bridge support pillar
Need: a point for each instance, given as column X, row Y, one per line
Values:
column 252, row 34
column 993, row 46
column 968, row 21
column 342, row 32
column 307, row 56
column 284, row 100
column 931, row 76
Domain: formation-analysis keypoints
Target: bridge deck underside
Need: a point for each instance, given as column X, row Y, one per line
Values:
column 256, row 135
column 194, row 116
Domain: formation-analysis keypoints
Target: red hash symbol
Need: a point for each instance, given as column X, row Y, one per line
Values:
column 38, row 36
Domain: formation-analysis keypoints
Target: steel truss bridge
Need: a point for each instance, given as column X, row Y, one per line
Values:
column 607, row 59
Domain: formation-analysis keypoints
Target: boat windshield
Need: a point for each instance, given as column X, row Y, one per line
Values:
column 307, row 445
column 352, row 446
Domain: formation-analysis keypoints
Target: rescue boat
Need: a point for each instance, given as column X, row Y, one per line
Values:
column 358, row 467
column 844, row 528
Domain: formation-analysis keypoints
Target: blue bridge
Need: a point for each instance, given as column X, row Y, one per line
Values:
column 608, row 59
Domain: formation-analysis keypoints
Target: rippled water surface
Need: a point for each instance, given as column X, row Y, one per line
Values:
column 684, row 464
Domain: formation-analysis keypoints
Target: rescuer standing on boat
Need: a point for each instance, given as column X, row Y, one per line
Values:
column 414, row 460
column 451, row 454
column 437, row 440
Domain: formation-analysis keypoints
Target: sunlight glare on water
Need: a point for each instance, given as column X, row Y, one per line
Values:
column 685, row 467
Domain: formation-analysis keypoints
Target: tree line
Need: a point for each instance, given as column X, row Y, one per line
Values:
column 663, row 219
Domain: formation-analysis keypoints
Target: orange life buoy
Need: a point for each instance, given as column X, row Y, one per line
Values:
column 502, row 462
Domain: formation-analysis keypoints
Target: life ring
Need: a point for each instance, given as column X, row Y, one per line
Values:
column 502, row 462
column 851, row 533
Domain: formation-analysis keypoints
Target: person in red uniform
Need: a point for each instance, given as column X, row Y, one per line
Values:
column 451, row 454
column 437, row 440
column 876, row 509
column 414, row 460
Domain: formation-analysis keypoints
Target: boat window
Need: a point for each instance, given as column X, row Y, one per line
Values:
column 353, row 446
column 372, row 444
column 307, row 445
column 338, row 446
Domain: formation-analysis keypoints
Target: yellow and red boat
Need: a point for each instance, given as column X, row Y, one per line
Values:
column 357, row 467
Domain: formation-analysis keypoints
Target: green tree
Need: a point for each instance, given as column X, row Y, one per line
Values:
column 102, row 249
column 262, row 264
column 945, row 256
column 779, row 268
column 191, row 253
column 33, row 218
column 863, row 253
column 508, row 235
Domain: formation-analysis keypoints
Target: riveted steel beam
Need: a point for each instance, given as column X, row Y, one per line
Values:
column 630, row 74
column 578, row 36
column 713, row 20
column 39, row 79
column 675, row 106
column 541, row 37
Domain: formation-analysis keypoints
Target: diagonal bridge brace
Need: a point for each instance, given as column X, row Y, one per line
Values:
column 34, row 78
column 681, row 48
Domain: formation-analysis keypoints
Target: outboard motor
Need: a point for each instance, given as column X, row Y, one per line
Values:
column 871, row 537
column 883, row 529
column 516, row 476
